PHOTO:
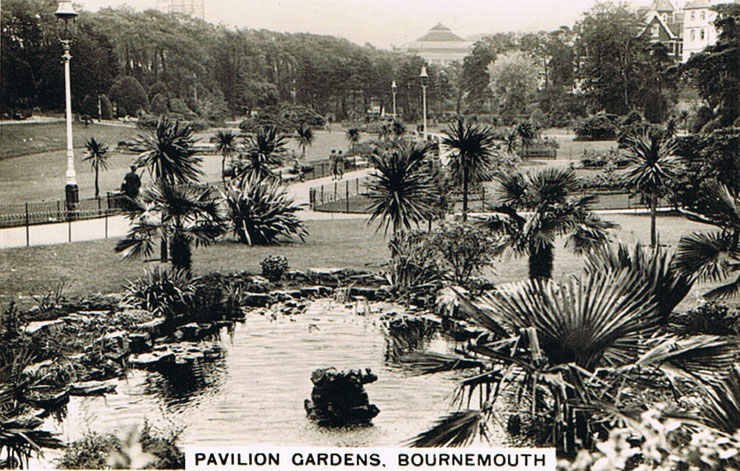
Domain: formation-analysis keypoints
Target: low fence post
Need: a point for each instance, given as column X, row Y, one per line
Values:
column 335, row 192
column 106, row 224
column 28, row 233
column 69, row 229
column 59, row 210
column 322, row 194
column 346, row 188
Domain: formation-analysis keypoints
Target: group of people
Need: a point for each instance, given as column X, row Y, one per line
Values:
column 336, row 163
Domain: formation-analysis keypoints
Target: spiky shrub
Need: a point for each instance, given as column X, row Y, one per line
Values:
column 274, row 267
column 165, row 293
column 169, row 154
column 569, row 352
column 261, row 212
column 401, row 190
column 413, row 265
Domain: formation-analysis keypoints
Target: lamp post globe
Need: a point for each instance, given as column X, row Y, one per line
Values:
column 66, row 16
column 424, row 79
column 394, row 88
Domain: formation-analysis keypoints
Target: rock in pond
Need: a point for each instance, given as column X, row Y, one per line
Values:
column 152, row 361
column 339, row 398
column 91, row 388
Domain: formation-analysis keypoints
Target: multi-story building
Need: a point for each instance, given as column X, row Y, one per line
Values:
column 440, row 46
column 195, row 8
column 698, row 30
column 664, row 24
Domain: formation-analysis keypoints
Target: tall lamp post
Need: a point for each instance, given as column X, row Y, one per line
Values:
column 424, row 79
column 66, row 16
column 393, row 89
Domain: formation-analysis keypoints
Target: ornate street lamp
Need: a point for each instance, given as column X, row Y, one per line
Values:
column 66, row 16
column 424, row 79
column 393, row 89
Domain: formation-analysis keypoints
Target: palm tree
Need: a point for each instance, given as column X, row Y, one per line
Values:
column 353, row 136
column 650, row 169
column 226, row 144
column 305, row 138
column 169, row 154
column 262, row 153
column 398, row 129
column 97, row 154
column 568, row 353
column 182, row 214
column 527, row 133
column 471, row 157
column 401, row 189
column 714, row 256
column 549, row 209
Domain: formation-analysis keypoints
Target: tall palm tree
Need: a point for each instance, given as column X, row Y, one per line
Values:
column 227, row 145
column 97, row 155
column 182, row 214
column 714, row 256
column 263, row 149
column 401, row 189
column 353, row 136
column 534, row 209
column 471, row 159
column 650, row 169
column 305, row 137
column 169, row 154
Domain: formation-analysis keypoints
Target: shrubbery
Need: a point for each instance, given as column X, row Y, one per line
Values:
column 274, row 267
column 129, row 96
column 600, row 127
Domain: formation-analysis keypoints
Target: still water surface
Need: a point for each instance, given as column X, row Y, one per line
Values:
column 254, row 393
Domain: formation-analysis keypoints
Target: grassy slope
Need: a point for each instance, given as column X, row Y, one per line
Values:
column 92, row 267
column 40, row 176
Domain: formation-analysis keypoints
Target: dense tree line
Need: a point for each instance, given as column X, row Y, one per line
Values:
column 164, row 63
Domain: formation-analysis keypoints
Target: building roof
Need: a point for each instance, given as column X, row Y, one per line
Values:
column 440, row 33
column 697, row 4
column 662, row 6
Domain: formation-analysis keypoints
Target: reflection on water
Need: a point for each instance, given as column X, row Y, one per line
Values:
column 253, row 393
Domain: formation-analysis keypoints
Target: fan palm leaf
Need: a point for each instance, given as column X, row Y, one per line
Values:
column 722, row 410
column 183, row 213
column 457, row 429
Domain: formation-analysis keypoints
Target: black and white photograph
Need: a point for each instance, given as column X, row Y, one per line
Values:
column 318, row 235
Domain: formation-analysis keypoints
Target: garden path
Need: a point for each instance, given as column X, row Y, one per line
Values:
column 117, row 226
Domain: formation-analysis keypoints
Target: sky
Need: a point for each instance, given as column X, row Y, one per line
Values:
column 382, row 23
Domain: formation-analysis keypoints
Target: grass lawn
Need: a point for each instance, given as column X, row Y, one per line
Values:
column 33, row 138
column 36, row 170
column 91, row 267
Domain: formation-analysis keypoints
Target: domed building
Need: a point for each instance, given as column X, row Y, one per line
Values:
column 440, row 46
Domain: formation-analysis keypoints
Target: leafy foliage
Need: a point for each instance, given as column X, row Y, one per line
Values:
column 169, row 154
column 180, row 214
column 263, row 151
column 97, row 155
column 566, row 352
column 550, row 209
column 401, row 189
column 274, row 267
column 471, row 159
column 412, row 265
column 463, row 249
column 261, row 211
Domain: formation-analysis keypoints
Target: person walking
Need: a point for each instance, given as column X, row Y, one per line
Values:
column 333, row 164
column 340, row 166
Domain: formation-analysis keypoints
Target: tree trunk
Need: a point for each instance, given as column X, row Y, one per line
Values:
column 653, row 215
column 540, row 260
column 181, row 253
column 163, row 254
column 97, row 188
column 465, row 195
